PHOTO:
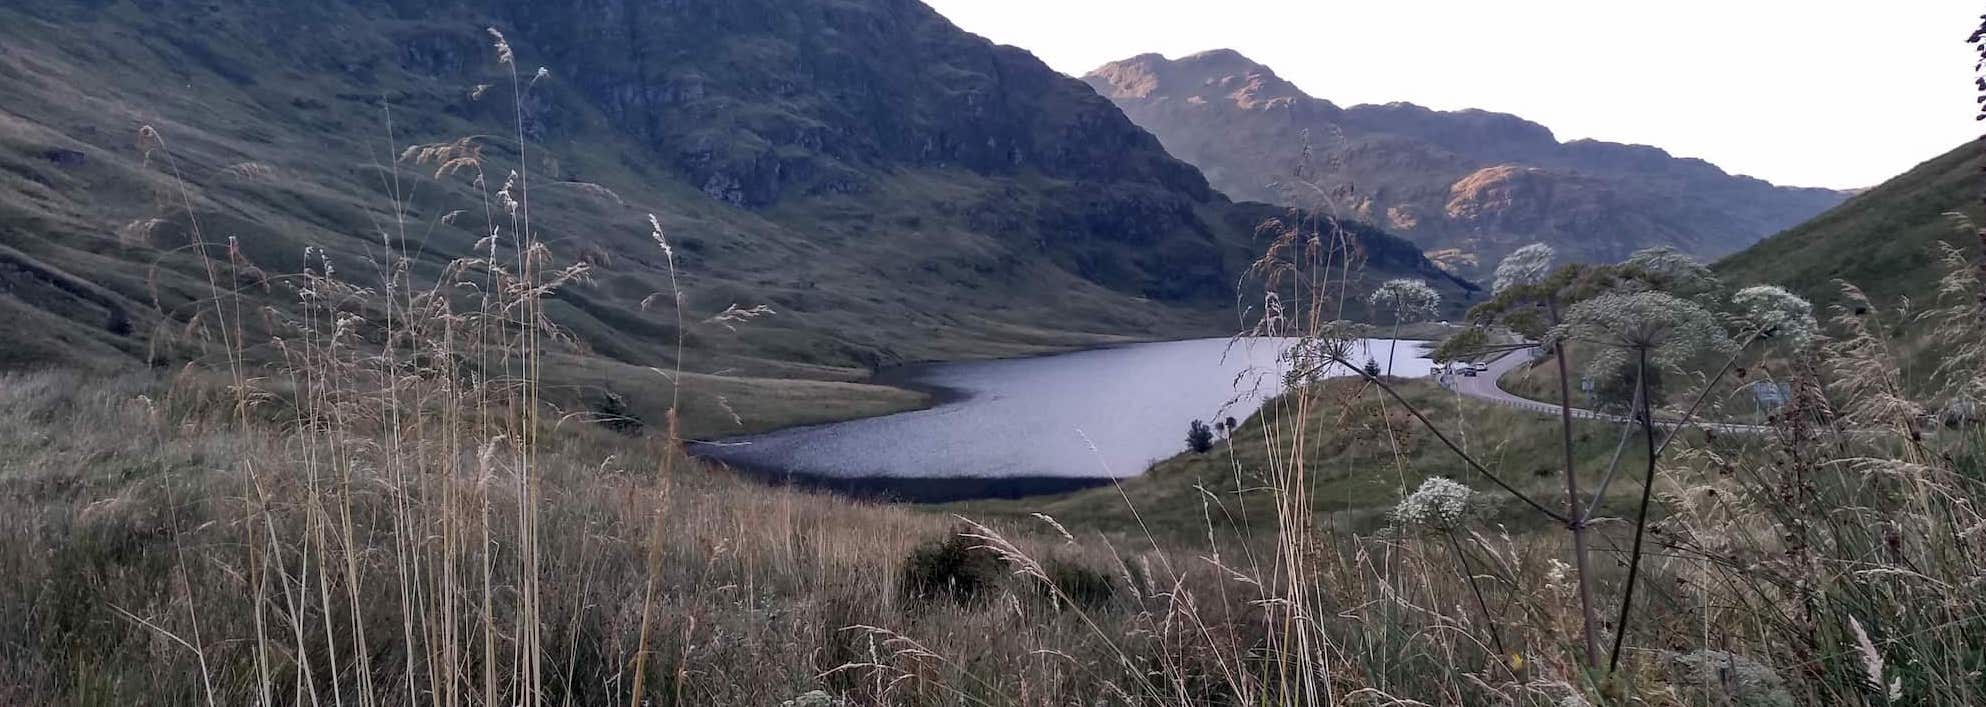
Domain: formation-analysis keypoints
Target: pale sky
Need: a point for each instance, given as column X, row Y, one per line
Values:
column 1829, row 93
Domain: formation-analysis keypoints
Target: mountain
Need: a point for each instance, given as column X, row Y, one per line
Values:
column 895, row 188
column 1467, row 186
column 1884, row 240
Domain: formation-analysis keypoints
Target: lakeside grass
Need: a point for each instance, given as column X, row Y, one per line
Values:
column 371, row 531
column 1366, row 454
column 765, row 593
column 397, row 508
column 400, row 515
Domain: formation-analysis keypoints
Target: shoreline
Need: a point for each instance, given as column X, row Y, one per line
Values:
column 926, row 489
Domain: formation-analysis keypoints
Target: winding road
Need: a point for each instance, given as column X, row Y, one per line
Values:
column 1484, row 386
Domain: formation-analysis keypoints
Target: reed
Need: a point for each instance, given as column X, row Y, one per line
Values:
column 365, row 498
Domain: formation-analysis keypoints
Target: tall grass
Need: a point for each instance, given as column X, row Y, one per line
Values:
column 364, row 498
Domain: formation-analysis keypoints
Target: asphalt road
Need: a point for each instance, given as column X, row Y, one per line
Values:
column 1483, row 386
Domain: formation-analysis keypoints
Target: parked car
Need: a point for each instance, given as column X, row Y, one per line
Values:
column 1479, row 366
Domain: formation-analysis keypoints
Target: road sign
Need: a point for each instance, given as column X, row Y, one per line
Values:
column 1770, row 394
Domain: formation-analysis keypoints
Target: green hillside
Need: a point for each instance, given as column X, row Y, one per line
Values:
column 894, row 188
column 1883, row 240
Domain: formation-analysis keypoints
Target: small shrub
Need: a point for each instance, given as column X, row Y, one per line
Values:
column 1199, row 437
column 957, row 569
column 1085, row 586
column 1615, row 392
column 612, row 411
column 1959, row 414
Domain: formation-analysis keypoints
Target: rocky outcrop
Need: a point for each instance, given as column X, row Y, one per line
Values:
column 1468, row 186
column 894, row 187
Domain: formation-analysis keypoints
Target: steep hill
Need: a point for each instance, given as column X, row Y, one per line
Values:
column 1467, row 186
column 1882, row 240
column 893, row 187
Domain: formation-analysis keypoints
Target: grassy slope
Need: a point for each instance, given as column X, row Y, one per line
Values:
column 758, row 582
column 283, row 143
column 1355, row 476
column 1883, row 240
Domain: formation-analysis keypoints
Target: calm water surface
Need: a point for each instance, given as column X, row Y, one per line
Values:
column 1033, row 425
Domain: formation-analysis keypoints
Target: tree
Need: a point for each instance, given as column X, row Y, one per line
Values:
column 1619, row 390
column 1466, row 344
column 1199, row 437
column 1408, row 300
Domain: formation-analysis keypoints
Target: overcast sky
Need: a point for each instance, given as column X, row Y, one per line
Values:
column 1832, row 93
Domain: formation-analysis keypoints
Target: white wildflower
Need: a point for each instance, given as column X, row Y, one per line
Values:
column 1406, row 299
column 1775, row 312
column 1440, row 503
column 1528, row 265
column 1671, row 329
column 1671, row 269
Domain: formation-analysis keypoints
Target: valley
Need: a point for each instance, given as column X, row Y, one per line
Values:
column 823, row 353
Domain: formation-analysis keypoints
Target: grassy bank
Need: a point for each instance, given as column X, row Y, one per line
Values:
column 368, row 528
column 1365, row 452
column 420, row 486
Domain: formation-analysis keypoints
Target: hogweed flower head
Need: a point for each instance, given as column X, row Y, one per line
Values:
column 1672, row 330
column 1528, row 265
column 1672, row 269
column 1407, row 299
column 1773, row 311
column 1439, row 504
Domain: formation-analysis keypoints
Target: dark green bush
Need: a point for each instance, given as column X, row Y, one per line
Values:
column 1086, row 586
column 612, row 410
column 1199, row 437
column 956, row 568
